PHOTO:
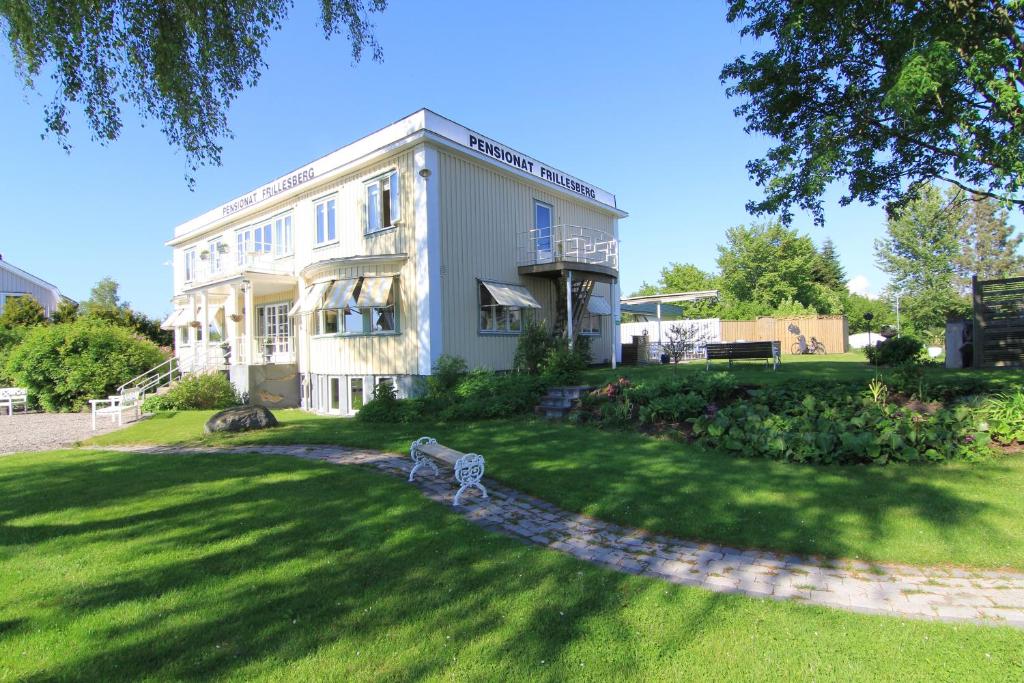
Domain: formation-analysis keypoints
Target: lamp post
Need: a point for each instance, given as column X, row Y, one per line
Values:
column 869, row 317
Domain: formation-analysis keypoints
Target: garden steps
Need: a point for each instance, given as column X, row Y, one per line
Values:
column 560, row 401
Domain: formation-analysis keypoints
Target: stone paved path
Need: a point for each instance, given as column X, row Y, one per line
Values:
column 991, row 597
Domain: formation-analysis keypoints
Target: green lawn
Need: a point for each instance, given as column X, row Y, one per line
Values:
column 837, row 367
column 131, row 567
column 962, row 514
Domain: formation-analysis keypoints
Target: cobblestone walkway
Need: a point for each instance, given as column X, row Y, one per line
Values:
column 916, row 592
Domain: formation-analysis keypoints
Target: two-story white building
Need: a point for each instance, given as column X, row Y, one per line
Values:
column 364, row 266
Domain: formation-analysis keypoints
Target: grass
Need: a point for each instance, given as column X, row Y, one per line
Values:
column 846, row 367
column 959, row 514
column 130, row 567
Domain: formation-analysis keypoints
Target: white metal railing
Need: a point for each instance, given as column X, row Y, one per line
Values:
column 567, row 243
column 226, row 264
column 268, row 349
column 152, row 379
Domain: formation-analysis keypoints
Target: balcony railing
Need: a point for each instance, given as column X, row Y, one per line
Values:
column 227, row 264
column 268, row 350
column 568, row 243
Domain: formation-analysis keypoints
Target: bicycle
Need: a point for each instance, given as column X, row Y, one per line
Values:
column 813, row 347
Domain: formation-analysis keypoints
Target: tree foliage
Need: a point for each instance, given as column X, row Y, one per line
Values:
column 919, row 254
column 889, row 95
column 22, row 311
column 104, row 303
column 989, row 248
column 685, row 277
column 180, row 63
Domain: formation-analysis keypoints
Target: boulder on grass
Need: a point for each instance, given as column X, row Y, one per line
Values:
column 241, row 419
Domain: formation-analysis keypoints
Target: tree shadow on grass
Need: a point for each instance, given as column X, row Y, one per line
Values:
column 200, row 566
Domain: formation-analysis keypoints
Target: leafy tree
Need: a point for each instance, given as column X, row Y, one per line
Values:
column 104, row 303
column 64, row 365
column 67, row 312
column 919, row 253
column 180, row 63
column 22, row 311
column 989, row 248
column 685, row 277
column 889, row 95
column 763, row 266
column 857, row 305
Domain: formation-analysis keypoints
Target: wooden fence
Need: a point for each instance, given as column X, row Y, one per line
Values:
column 830, row 330
column 998, row 323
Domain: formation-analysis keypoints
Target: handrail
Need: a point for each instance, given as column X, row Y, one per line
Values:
column 170, row 361
column 568, row 243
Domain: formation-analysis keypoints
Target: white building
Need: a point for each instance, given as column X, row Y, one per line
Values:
column 364, row 266
column 15, row 282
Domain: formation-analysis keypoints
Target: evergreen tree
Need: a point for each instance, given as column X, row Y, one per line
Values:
column 989, row 248
column 828, row 271
column 22, row 311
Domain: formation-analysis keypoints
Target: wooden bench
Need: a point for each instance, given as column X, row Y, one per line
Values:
column 468, row 467
column 12, row 396
column 770, row 351
column 117, row 406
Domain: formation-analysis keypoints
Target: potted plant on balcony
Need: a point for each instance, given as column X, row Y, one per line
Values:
column 235, row 318
column 196, row 324
column 204, row 254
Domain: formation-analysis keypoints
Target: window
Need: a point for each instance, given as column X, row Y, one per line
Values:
column 273, row 237
column 184, row 335
column 389, row 382
column 542, row 229
column 383, row 208
column 215, row 250
column 283, row 235
column 590, row 325
column 364, row 306
column 497, row 318
column 355, row 393
column 335, row 395
column 190, row 265
column 326, row 225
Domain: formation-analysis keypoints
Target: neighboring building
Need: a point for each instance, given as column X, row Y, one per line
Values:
column 15, row 282
column 424, row 238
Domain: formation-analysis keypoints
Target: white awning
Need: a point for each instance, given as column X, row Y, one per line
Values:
column 173, row 320
column 511, row 295
column 340, row 294
column 376, row 290
column 309, row 299
column 599, row 305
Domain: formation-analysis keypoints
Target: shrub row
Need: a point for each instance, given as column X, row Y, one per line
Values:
column 208, row 391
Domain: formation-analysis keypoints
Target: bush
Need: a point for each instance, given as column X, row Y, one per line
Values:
column 10, row 337
column 895, row 351
column 207, row 391
column 674, row 400
column 843, row 429
column 565, row 366
column 63, row 366
column 386, row 407
column 484, row 394
column 447, row 372
column 534, row 344
column 1004, row 414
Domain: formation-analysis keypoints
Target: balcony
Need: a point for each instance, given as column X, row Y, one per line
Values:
column 268, row 350
column 226, row 265
column 553, row 251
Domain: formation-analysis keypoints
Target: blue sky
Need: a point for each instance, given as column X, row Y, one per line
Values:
column 626, row 99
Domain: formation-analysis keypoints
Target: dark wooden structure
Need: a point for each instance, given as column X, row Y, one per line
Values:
column 999, row 323
column 769, row 351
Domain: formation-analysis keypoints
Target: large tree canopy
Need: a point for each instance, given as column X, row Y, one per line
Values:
column 181, row 63
column 889, row 94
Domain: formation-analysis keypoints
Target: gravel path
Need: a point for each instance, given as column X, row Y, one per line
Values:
column 946, row 594
column 47, row 431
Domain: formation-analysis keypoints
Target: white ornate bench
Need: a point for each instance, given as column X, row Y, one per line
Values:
column 468, row 467
column 13, row 396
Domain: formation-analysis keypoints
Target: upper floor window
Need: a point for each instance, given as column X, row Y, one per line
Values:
column 214, row 254
column 383, row 208
column 271, row 237
column 190, row 264
column 326, row 222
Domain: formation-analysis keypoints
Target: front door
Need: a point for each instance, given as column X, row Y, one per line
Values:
column 275, row 332
column 542, row 220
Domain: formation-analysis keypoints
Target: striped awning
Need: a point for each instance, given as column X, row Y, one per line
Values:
column 309, row 300
column 173, row 320
column 341, row 293
column 376, row 291
column 511, row 295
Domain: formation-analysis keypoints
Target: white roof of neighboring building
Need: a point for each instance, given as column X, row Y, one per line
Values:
column 423, row 124
column 11, row 268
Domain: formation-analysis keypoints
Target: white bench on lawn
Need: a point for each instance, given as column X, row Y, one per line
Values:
column 116, row 406
column 12, row 396
column 468, row 467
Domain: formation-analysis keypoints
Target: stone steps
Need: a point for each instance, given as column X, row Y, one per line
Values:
column 560, row 401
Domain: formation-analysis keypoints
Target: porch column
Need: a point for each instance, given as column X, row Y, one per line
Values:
column 204, row 324
column 568, row 305
column 658, row 308
column 250, row 324
column 231, row 309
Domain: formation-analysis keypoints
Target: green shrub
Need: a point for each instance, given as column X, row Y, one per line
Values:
column 206, row 391
column 447, row 372
column 385, row 406
column 484, row 394
column 534, row 344
column 63, row 366
column 844, row 429
column 565, row 366
column 1004, row 414
column 10, row 337
column 895, row 351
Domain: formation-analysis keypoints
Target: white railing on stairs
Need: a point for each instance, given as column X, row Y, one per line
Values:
column 152, row 379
